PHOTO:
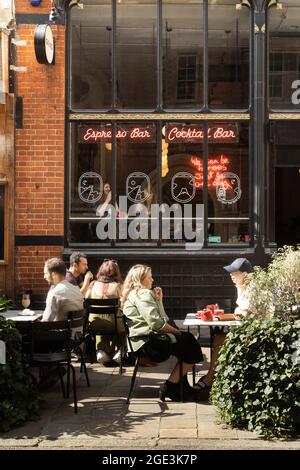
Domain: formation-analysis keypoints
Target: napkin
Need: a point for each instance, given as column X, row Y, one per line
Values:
column 26, row 311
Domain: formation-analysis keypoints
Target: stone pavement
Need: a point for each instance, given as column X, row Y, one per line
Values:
column 104, row 421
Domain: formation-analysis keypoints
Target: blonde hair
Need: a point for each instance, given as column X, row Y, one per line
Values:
column 134, row 280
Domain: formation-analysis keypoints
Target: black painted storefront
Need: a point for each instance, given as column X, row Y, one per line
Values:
column 188, row 88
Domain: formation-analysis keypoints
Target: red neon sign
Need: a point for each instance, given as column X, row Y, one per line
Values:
column 216, row 166
column 94, row 134
column 195, row 133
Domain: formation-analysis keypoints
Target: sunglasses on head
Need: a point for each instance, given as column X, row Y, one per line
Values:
column 109, row 259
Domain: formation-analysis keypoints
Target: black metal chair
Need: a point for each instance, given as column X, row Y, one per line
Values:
column 102, row 307
column 138, row 360
column 51, row 344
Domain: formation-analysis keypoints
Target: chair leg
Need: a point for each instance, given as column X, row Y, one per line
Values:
column 136, row 366
column 61, row 381
column 121, row 361
column 83, row 366
column 194, row 374
column 74, row 387
column 68, row 380
column 180, row 381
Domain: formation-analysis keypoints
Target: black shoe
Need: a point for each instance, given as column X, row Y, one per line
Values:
column 173, row 391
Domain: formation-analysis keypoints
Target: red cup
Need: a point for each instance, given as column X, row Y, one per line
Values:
column 206, row 315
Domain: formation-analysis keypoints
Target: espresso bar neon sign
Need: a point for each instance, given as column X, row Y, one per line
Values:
column 216, row 166
column 94, row 134
column 195, row 133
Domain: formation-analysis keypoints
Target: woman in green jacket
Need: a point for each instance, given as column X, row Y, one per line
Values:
column 154, row 337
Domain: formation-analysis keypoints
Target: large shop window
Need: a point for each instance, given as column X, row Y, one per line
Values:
column 151, row 186
column 228, row 55
column 150, row 56
column 284, row 56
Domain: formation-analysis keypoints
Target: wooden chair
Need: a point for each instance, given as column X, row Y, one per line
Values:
column 105, row 307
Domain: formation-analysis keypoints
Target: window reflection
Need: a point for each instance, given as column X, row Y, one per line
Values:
column 228, row 55
column 91, row 83
column 136, row 54
column 182, row 41
column 284, row 56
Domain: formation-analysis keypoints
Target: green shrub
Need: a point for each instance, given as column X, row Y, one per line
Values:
column 257, row 381
column 19, row 400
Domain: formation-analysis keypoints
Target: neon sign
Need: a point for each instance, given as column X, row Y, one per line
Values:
column 216, row 166
column 128, row 133
column 195, row 133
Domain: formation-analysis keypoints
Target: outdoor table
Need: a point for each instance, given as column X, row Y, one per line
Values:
column 192, row 320
column 14, row 315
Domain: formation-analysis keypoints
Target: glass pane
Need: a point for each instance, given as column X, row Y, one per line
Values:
column 90, row 179
column 182, row 42
column 136, row 54
column 181, row 192
column 2, row 205
column 136, row 183
column 91, row 30
column 228, row 181
column 228, row 55
column 284, row 57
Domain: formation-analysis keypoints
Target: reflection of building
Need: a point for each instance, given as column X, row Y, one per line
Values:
column 191, row 98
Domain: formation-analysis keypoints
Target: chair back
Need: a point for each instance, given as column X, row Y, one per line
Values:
column 52, row 341
column 104, row 307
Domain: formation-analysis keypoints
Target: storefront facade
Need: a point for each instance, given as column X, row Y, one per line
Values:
column 191, row 107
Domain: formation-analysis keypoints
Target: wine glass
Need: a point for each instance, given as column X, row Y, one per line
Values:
column 25, row 300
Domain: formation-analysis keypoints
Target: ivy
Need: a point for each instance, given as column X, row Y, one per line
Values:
column 259, row 388
column 19, row 399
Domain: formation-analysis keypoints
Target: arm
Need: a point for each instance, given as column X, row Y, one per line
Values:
column 51, row 310
column 86, row 283
column 170, row 329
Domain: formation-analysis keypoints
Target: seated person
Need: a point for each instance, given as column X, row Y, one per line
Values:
column 238, row 270
column 104, row 206
column 107, row 286
column 78, row 273
column 154, row 337
column 62, row 297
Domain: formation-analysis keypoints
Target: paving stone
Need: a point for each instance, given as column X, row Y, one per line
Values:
column 178, row 422
column 210, row 430
column 175, row 432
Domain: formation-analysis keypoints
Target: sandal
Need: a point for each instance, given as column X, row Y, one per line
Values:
column 201, row 385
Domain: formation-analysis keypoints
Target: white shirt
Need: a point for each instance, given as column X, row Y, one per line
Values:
column 61, row 299
column 243, row 299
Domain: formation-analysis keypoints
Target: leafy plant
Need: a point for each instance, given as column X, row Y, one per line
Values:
column 19, row 400
column 275, row 290
column 257, row 379
column 4, row 302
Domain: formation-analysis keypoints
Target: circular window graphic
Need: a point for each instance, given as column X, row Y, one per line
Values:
column 90, row 187
column 137, row 187
column 228, row 188
column 183, row 187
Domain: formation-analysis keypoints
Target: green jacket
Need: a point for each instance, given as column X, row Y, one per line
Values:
column 146, row 315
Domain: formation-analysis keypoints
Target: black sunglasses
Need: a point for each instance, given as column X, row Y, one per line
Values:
column 109, row 259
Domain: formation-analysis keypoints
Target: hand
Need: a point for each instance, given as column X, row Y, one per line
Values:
column 158, row 293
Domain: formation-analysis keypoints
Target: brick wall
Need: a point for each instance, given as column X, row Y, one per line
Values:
column 39, row 167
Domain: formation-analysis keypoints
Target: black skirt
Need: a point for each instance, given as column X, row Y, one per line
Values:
column 186, row 348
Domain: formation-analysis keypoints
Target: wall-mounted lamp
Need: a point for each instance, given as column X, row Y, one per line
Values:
column 35, row 3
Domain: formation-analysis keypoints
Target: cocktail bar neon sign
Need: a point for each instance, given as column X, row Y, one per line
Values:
column 216, row 166
column 195, row 133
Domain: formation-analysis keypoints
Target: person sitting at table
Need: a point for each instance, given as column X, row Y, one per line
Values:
column 78, row 273
column 152, row 335
column 63, row 297
column 107, row 286
column 239, row 270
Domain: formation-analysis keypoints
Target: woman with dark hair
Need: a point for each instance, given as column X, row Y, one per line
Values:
column 108, row 285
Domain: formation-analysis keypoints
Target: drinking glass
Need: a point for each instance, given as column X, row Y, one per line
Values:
column 26, row 300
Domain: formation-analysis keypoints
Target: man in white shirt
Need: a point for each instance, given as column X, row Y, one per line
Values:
column 63, row 297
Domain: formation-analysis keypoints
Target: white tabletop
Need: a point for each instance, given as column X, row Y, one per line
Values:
column 16, row 316
column 191, row 320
